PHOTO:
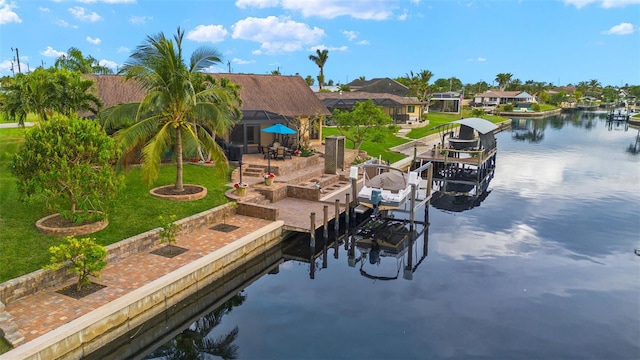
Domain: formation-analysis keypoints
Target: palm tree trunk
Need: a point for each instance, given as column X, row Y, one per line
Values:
column 179, row 164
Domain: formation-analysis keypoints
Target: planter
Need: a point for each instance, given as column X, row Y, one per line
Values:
column 241, row 191
column 268, row 181
column 47, row 225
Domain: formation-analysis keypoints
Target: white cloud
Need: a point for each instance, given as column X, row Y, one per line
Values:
column 363, row 9
column 323, row 47
column 44, row 9
column 139, row 20
column 620, row 29
column 7, row 15
column 5, row 66
column 259, row 4
column 62, row 23
column 351, row 35
column 403, row 16
column 51, row 52
column 276, row 34
column 363, row 42
column 478, row 59
column 618, row 3
column 242, row 61
column 80, row 13
column 93, row 41
column 607, row 4
column 208, row 33
column 108, row 63
column 122, row 49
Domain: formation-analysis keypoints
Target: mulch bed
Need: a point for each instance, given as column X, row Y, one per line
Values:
column 60, row 222
column 169, row 251
column 187, row 190
column 73, row 292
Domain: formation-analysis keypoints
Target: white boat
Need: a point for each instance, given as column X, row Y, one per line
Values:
column 385, row 187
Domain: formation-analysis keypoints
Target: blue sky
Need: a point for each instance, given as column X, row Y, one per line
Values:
column 555, row 41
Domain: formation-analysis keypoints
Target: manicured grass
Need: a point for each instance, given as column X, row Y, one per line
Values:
column 436, row 119
column 24, row 249
column 30, row 118
column 4, row 347
column 547, row 107
column 374, row 149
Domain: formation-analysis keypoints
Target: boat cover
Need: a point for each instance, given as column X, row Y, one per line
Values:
column 480, row 125
column 390, row 180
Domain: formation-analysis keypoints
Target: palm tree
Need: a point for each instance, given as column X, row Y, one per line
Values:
column 419, row 86
column 503, row 80
column 75, row 61
column 175, row 107
column 320, row 59
column 73, row 93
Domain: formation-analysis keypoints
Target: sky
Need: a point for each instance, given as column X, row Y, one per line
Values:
column 554, row 41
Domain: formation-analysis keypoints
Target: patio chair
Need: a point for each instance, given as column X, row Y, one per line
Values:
column 280, row 153
column 288, row 153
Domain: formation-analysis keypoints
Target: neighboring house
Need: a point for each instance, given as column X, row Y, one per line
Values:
column 403, row 110
column 381, row 86
column 266, row 100
column 272, row 99
column 494, row 98
column 446, row 102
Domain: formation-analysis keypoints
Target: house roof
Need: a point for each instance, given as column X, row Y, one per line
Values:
column 524, row 95
column 332, row 98
column 379, row 85
column 499, row 94
column 284, row 95
column 114, row 89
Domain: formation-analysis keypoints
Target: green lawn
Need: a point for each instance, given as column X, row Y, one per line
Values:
column 436, row 119
column 24, row 249
column 374, row 149
column 30, row 118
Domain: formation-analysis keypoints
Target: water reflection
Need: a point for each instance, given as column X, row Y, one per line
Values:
column 197, row 342
column 529, row 130
column 634, row 148
column 544, row 269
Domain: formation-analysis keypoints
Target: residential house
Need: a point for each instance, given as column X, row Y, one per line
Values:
column 393, row 96
column 266, row 100
column 403, row 110
column 380, row 86
column 495, row 98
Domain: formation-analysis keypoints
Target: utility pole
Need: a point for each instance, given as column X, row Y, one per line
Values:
column 229, row 65
column 17, row 59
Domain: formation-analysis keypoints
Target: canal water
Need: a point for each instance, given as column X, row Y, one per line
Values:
column 543, row 268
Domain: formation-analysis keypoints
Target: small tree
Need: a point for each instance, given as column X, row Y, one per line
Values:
column 362, row 123
column 169, row 229
column 68, row 162
column 86, row 257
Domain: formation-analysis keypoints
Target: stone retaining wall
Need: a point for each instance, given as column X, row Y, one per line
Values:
column 31, row 283
column 265, row 212
column 90, row 332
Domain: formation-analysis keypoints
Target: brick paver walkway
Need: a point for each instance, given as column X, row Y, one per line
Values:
column 46, row 310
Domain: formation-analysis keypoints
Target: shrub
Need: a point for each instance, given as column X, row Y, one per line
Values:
column 68, row 163
column 86, row 257
column 508, row 107
column 535, row 107
column 169, row 229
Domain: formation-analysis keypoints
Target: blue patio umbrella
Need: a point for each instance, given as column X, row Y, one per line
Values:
column 279, row 129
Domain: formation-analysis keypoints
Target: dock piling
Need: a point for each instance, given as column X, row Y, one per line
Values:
column 325, row 225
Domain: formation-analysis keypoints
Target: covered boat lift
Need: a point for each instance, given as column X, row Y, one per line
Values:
column 464, row 161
